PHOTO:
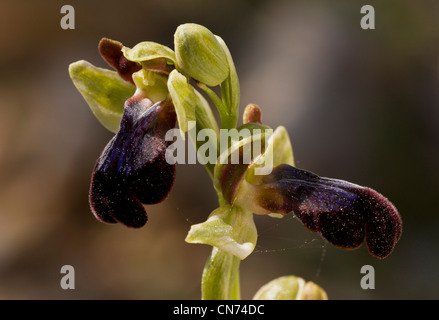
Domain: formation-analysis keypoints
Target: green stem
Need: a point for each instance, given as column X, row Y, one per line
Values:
column 220, row 280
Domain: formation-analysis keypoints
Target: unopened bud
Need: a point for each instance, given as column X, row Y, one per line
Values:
column 200, row 55
column 290, row 288
column 252, row 114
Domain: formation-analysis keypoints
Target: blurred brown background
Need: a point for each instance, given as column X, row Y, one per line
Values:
column 359, row 105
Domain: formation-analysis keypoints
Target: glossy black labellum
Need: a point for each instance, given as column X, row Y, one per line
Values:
column 132, row 169
column 344, row 213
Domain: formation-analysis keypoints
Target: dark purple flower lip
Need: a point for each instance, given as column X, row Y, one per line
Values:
column 132, row 169
column 344, row 213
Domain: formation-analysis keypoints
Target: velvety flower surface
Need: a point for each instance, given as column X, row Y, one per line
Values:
column 132, row 169
column 344, row 213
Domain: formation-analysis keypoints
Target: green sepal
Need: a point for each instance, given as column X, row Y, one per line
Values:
column 104, row 91
column 189, row 104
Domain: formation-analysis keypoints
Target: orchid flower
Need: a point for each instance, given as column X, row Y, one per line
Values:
column 154, row 88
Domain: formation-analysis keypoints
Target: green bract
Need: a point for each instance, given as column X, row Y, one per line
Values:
column 193, row 112
column 104, row 91
column 199, row 54
column 229, row 228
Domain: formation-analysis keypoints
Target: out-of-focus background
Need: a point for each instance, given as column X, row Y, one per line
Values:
column 359, row 105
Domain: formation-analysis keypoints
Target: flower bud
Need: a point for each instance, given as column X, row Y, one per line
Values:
column 147, row 50
column 252, row 114
column 312, row 291
column 290, row 288
column 200, row 55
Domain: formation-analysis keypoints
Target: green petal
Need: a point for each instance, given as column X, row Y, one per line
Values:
column 228, row 228
column 148, row 50
column 290, row 288
column 104, row 91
